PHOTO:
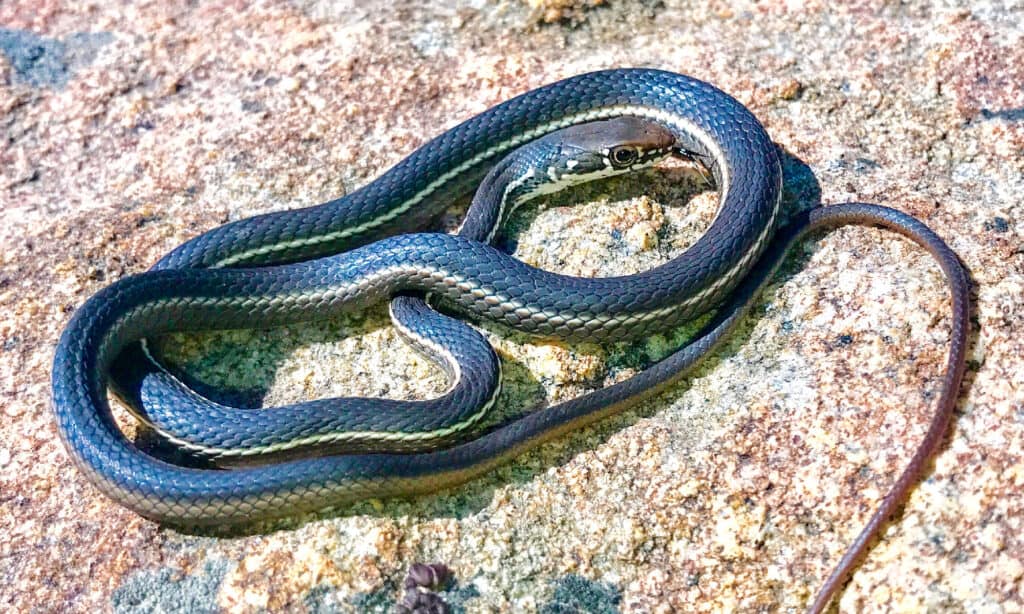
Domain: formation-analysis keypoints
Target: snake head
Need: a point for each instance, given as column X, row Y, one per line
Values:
column 609, row 147
column 567, row 157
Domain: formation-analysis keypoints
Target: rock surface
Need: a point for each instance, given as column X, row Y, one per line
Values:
column 130, row 128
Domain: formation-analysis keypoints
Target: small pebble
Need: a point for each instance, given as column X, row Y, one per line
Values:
column 642, row 236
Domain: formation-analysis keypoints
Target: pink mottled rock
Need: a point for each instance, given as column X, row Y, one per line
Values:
column 737, row 490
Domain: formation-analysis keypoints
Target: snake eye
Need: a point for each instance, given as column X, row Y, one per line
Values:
column 624, row 156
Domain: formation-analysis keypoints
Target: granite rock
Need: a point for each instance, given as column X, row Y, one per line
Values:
column 129, row 128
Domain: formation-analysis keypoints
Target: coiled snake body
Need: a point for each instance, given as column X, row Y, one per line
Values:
column 209, row 283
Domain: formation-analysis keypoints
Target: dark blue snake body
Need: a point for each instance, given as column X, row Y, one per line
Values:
column 198, row 286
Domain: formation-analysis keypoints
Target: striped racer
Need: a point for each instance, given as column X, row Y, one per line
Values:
column 276, row 268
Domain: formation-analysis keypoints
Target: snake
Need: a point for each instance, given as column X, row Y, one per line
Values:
column 346, row 254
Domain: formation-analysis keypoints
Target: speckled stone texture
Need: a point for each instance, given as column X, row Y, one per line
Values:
column 130, row 127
